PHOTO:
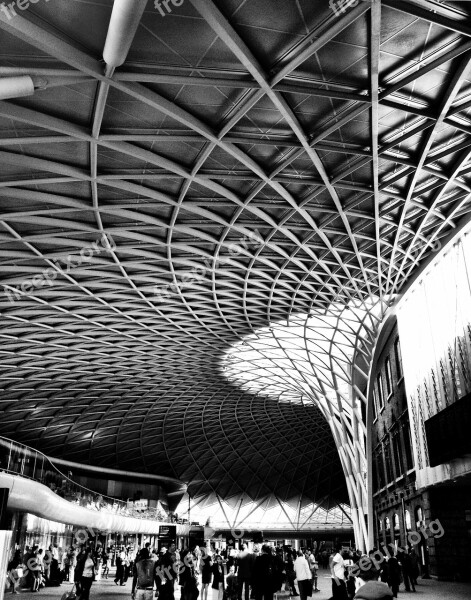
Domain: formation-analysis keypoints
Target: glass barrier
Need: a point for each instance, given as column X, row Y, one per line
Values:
column 19, row 459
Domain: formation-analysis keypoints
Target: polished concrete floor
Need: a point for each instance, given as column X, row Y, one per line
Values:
column 427, row 590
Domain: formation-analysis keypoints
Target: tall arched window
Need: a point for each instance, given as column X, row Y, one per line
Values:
column 408, row 521
column 396, row 522
column 419, row 516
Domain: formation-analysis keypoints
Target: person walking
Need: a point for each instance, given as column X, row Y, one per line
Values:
column 303, row 575
column 339, row 585
column 106, row 562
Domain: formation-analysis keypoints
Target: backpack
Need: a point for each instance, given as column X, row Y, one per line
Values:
column 145, row 573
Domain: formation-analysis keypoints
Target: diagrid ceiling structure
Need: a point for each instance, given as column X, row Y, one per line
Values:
column 177, row 178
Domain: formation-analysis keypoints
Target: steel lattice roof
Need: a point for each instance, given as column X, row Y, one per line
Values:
column 248, row 163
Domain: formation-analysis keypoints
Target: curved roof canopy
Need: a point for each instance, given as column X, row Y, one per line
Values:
column 231, row 166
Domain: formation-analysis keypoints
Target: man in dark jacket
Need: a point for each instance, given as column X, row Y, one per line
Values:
column 165, row 575
column 406, row 564
column 368, row 586
column 394, row 580
column 263, row 576
column 244, row 565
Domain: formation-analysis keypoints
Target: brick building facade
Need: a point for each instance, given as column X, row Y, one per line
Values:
column 398, row 507
column 404, row 509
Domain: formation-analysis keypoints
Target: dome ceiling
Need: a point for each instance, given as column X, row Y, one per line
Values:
column 247, row 163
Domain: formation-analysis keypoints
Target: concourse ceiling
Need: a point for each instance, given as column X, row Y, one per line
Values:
column 249, row 162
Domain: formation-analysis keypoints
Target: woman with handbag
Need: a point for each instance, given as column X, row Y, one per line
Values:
column 85, row 573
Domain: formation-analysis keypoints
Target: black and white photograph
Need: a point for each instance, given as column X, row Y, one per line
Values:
column 235, row 300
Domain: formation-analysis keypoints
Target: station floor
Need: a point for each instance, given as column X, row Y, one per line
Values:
column 428, row 589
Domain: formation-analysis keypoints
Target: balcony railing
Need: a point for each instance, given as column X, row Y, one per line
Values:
column 19, row 459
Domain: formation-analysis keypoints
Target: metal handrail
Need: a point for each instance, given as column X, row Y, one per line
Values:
column 100, row 502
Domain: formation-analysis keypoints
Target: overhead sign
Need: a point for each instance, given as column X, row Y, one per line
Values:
column 168, row 532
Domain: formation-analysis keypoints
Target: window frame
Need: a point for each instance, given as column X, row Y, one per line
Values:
column 398, row 357
column 388, row 374
column 379, row 385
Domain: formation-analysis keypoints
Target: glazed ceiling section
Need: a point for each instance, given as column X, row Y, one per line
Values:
column 248, row 162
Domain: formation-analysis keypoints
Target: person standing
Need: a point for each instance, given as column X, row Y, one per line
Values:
column 47, row 564
column 13, row 574
column 394, row 575
column 143, row 576
column 313, row 565
column 219, row 576
column 367, row 584
column 206, row 574
column 290, row 574
column 120, row 565
column 244, row 565
column 99, row 561
column 188, row 581
column 263, row 579
column 79, row 565
column 406, row 565
column 303, row 575
column 339, row 585
column 88, row 575
column 35, row 565
column 165, row 575
column 68, row 557
column 414, row 562
column 127, row 562
column 280, row 570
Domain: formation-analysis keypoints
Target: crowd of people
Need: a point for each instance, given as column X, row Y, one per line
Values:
column 36, row 568
column 233, row 574
column 384, row 570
